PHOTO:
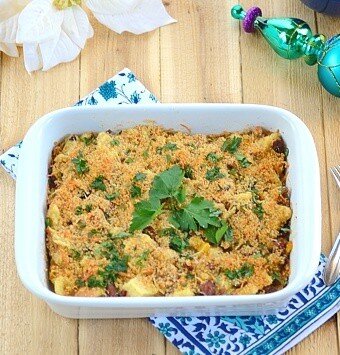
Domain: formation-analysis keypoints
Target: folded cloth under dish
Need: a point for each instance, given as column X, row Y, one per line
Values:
column 261, row 335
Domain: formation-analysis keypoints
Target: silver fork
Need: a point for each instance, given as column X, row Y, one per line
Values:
column 332, row 268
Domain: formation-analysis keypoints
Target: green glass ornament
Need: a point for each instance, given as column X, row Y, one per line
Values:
column 292, row 38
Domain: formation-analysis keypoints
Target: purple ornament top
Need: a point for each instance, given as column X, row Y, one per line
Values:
column 248, row 22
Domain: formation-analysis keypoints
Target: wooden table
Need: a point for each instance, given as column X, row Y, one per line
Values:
column 202, row 58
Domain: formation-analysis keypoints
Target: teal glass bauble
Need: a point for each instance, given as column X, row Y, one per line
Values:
column 329, row 66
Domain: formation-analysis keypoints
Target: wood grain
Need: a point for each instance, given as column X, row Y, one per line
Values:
column 202, row 58
column 26, row 324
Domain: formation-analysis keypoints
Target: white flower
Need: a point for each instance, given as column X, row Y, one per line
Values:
column 50, row 36
column 55, row 31
column 9, row 14
column 136, row 16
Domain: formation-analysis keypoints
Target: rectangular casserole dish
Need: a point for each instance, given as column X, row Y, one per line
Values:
column 303, row 181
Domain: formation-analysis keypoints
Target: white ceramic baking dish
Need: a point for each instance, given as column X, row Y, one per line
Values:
column 303, row 180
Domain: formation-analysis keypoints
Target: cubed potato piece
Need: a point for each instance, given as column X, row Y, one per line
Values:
column 53, row 214
column 62, row 285
column 198, row 244
column 104, row 139
column 56, row 238
column 266, row 143
column 69, row 146
column 283, row 214
column 140, row 286
column 184, row 292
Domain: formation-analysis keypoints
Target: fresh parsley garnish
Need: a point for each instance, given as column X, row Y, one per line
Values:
column 120, row 235
column 170, row 146
column 135, row 191
column 167, row 183
column 199, row 213
column 215, row 234
column 93, row 282
column 213, row 157
column 143, row 257
column 80, row 164
column 257, row 209
column 88, row 208
column 129, row 160
column 177, row 243
column 246, row 271
column 244, row 162
column 87, row 140
column 80, row 283
column 111, row 197
column 214, row 174
column 92, row 233
column 139, row 177
column 79, row 211
column 115, row 142
column 98, row 184
column 145, row 212
column 231, row 144
column 48, row 222
column 188, row 172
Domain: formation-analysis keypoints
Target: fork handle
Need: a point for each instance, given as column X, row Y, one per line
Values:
column 332, row 268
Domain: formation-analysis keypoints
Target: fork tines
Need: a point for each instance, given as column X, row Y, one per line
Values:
column 336, row 173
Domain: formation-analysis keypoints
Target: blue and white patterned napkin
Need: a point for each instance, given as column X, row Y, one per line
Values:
column 262, row 335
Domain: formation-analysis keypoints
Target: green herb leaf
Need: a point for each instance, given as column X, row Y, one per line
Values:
column 135, row 191
column 115, row 142
column 80, row 283
column 188, row 172
column 258, row 210
column 143, row 257
column 93, row 281
column 75, row 254
column 112, row 196
column 145, row 212
column 170, row 146
column 145, row 154
column 92, row 232
column 167, row 183
column 231, row 144
column 79, row 211
column 129, row 160
column 177, row 243
column 120, row 235
column 98, row 184
column 199, row 213
column 88, row 208
column 48, row 222
column 87, row 140
column 246, row 271
column 244, row 162
column 214, row 174
column 80, row 164
column 139, row 177
column 216, row 234
column 213, row 157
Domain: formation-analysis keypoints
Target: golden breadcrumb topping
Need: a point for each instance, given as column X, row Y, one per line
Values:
column 152, row 212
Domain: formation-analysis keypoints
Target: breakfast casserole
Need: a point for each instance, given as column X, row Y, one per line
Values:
column 152, row 212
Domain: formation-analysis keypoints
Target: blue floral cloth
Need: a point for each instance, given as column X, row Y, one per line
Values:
column 262, row 335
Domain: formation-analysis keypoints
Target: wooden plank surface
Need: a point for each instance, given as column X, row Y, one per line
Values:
column 202, row 58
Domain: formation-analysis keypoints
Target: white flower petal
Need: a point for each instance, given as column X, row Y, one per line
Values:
column 8, row 29
column 9, row 14
column 77, row 26
column 136, row 16
column 33, row 59
column 9, row 49
column 39, row 21
column 59, row 50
